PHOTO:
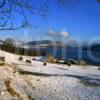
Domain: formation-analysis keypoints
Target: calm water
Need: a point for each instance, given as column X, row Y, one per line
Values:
column 75, row 53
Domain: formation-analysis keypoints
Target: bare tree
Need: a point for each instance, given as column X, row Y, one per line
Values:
column 10, row 8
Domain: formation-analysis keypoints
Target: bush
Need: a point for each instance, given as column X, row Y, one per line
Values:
column 50, row 59
column 82, row 63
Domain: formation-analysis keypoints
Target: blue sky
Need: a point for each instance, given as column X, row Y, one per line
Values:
column 83, row 22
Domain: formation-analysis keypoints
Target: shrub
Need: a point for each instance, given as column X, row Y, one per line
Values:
column 50, row 59
column 82, row 63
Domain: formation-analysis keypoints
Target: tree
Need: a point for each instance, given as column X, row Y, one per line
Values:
column 10, row 41
column 9, row 45
column 8, row 8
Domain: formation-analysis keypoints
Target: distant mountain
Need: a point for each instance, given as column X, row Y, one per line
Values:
column 1, row 42
column 44, row 43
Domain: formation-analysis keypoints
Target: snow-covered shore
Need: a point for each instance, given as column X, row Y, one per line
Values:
column 51, row 82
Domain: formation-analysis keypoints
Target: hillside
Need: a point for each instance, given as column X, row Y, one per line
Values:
column 22, row 81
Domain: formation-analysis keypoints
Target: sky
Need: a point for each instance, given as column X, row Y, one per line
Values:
column 81, row 22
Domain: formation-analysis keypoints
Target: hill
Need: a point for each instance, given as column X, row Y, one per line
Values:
column 44, row 43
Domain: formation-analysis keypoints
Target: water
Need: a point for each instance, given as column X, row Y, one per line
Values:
column 90, row 57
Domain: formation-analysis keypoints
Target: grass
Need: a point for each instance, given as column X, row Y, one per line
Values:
column 82, row 63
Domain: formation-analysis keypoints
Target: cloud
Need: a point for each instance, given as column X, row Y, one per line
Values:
column 51, row 32
column 61, row 33
column 64, row 34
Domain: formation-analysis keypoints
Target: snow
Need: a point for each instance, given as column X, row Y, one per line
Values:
column 55, row 81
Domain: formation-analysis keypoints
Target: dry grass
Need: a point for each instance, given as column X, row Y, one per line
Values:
column 50, row 59
column 82, row 63
column 11, row 90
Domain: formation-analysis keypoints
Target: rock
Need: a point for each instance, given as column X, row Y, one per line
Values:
column 56, row 61
column 2, row 58
column 20, row 58
column 44, row 64
column 37, row 80
column 99, row 68
column 2, row 63
column 74, row 62
column 28, row 61
column 69, row 63
column 65, row 62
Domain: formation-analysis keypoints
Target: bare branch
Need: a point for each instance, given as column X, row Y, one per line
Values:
column 2, row 3
column 8, row 8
